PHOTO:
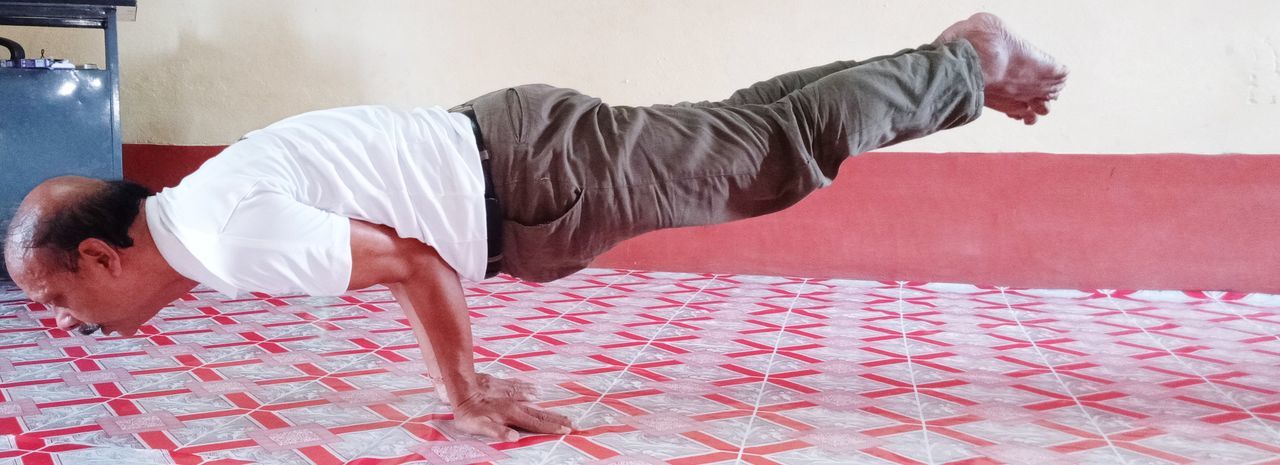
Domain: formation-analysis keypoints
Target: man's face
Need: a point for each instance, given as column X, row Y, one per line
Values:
column 92, row 294
column 112, row 285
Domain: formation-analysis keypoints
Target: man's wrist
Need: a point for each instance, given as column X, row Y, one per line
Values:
column 459, row 385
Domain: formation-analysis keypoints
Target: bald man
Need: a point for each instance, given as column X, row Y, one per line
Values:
column 533, row 181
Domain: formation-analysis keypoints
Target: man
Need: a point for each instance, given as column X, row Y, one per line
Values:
column 533, row 181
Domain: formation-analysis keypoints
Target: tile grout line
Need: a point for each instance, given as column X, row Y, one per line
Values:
column 911, row 370
column 1189, row 367
column 634, row 358
column 1052, row 369
column 769, row 370
column 419, row 412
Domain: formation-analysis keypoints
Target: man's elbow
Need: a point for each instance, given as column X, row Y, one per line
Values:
column 424, row 262
column 380, row 256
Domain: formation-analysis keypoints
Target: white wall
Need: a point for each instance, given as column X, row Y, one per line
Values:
column 1192, row 76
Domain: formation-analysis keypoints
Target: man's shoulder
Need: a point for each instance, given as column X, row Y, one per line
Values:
column 205, row 202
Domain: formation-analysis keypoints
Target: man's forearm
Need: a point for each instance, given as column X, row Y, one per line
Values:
column 424, row 342
column 431, row 295
column 437, row 308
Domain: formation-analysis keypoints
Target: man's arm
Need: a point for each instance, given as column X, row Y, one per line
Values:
column 515, row 389
column 437, row 305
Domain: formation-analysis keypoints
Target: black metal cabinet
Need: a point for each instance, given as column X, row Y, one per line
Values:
column 59, row 121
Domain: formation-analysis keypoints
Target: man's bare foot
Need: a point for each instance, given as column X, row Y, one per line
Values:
column 1021, row 79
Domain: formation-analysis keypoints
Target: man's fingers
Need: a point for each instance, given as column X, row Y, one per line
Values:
column 563, row 422
column 552, row 417
column 532, row 420
column 487, row 427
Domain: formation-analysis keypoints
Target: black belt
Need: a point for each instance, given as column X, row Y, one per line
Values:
column 492, row 211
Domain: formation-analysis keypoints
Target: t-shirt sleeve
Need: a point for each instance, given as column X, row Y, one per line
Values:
column 273, row 243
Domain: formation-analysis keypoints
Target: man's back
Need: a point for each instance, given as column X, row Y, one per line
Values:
column 269, row 211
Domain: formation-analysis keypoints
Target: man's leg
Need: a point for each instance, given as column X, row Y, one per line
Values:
column 664, row 166
column 717, row 163
column 777, row 87
column 577, row 176
column 991, row 28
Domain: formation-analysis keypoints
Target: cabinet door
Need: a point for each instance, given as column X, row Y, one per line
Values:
column 53, row 122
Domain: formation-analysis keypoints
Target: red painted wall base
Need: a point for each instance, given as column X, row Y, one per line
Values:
column 1025, row 220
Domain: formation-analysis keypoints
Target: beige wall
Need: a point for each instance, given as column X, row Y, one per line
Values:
column 1148, row 76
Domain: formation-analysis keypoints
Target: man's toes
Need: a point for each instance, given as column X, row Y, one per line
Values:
column 1060, row 72
column 1055, row 84
column 1000, row 102
column 1025, row 116
column 1040, row 107
column 1031, row 90
column 1018, row 114
column 1027, row 112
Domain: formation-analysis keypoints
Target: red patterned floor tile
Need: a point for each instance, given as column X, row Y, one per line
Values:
column 667, row 368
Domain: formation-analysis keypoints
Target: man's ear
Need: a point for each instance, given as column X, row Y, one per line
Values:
column 96, row 253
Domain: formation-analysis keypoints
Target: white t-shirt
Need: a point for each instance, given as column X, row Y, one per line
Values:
column 271, row 212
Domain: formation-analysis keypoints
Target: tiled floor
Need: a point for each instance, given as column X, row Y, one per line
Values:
column 659, row 367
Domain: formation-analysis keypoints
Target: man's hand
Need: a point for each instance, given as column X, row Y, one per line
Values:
column 484, row 413
column 429, row 292
column 511, row 388
column 500, row 403
column 492, row 386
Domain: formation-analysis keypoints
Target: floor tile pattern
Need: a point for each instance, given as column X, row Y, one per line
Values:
column 666, row 368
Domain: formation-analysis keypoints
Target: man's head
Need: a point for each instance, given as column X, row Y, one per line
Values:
column 74, row 246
